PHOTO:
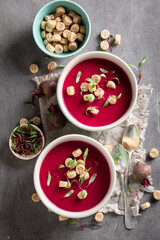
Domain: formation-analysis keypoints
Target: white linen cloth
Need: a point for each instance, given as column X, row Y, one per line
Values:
column 112, row 137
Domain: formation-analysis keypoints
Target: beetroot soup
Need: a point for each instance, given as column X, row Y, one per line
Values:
column 75, row 176
column 97, row 92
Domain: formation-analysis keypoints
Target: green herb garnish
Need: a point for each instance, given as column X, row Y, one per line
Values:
column 87, row 170
column 92, row 179
column 51, row 116
column 116, row 78
column 106, row 103
column 49, row 179
column 90, row 98
column 119, row 96
column 69, row 185
column 78, row 76
column 82, row 180
column 61, row 166
column 26, row 140
column 81, row 92
column 140, row 71
column 69, row 193
column 102, row 75
column 73, row 162
column 100, row 96
column 103, row 70
column 58, row 66
column 118, row 157
column 88, row 109
column 85, row 154
column 91, row 89
column 142, row 62
column 83, row 194
column 91, row 81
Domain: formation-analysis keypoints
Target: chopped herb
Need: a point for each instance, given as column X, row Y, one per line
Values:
column 88, row 109
column 111, row 35
column 106, row 103
column 87, row 170
column 82, row 180
column 92, row 81
column 57, row 125
column 61, row 166
column 103, row 70
column 81, row 92
column 69, row 193
column 69, row 185
column 90, row 98
column 139, row 70
column 60, row 66
column 100, row 96
column 142, row 62
column 102, row 75
column 49, row 179
column 91, row 89
column 116, row 78
column 73, row 162
column 51, row 116
column 118, row 156
column 119, row 96
column 85, row 154
column 78, row 76
column 92, row 179
column 83, row 194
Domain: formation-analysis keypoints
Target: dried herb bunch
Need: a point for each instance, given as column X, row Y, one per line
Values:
column 26, row 140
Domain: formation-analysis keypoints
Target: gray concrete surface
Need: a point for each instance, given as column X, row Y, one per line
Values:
column 138, row 22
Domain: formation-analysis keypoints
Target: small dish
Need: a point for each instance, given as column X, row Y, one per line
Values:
column 28, row 157
column 50, row 8
column 38, row 166
column 61, row 90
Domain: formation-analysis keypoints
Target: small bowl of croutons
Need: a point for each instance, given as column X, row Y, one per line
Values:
column 61, row 28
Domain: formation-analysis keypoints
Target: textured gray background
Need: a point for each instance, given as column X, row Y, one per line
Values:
column 138, row 22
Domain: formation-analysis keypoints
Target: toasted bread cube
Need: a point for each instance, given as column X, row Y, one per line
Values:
column 73, row 46
column 63, row 184
column 72, row 14
column 71, row 174
column 111, row 84
column 51, row 24
column 70, row 90
column 77, row 153
column 80, row 37
column 74, row 28
column 145, row 205
column 58, row 48
column 43, row 24
column 60, row 26
column 67, row 20
column 60, row 10
column 61, row 218
column 117, row 39
column 50, row 47
column 77, row 19
column 82, row 29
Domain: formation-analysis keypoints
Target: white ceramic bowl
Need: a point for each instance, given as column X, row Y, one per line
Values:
column 52, row 207
column 29, row 156
column 89, row 55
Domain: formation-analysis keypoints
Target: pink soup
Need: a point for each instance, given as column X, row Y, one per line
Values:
column 109, row 114
column 96, row 191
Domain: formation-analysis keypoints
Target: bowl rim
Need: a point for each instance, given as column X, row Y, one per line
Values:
column 31, row 156
column 69, row 54
column 89, row 55
column 52, row 207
